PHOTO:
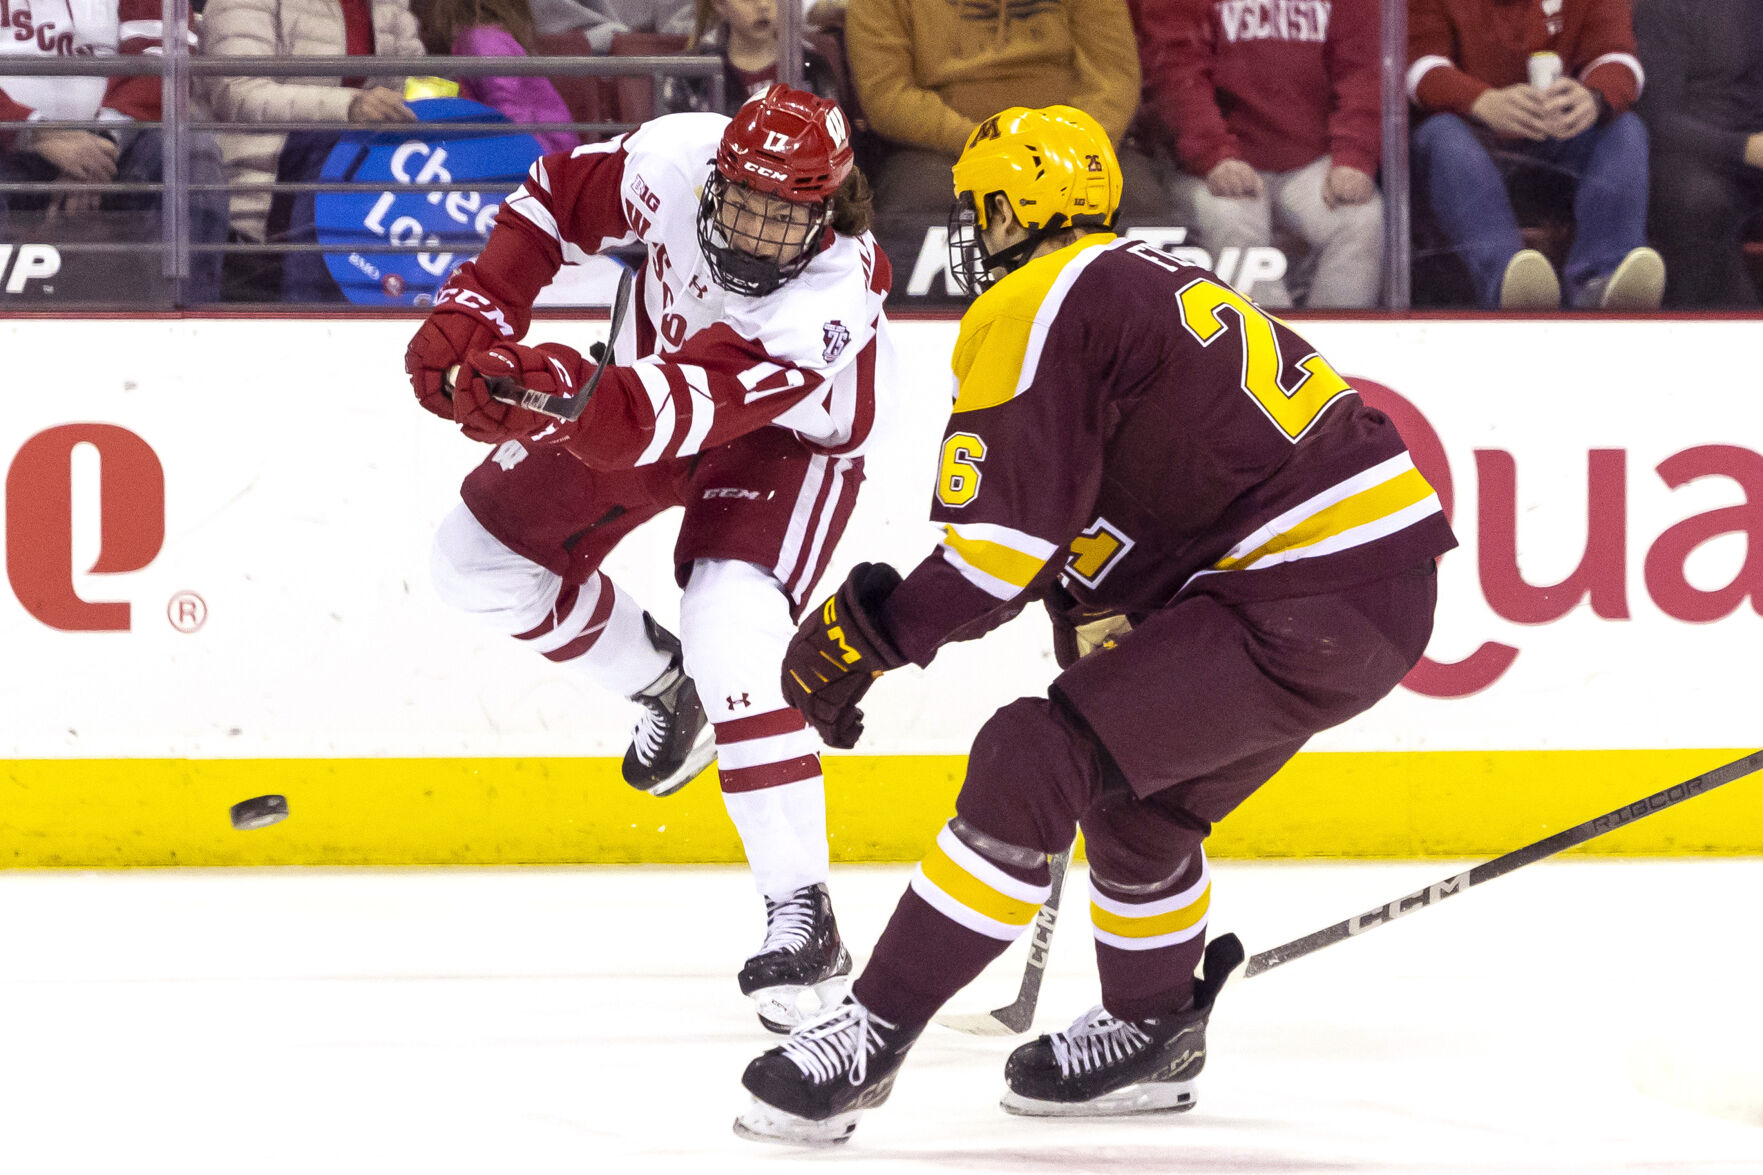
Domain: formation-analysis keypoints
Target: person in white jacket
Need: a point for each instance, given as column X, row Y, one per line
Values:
column 295, row 28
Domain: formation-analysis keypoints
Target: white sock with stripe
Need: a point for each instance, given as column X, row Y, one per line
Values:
column 735, row 623
column 595, row 630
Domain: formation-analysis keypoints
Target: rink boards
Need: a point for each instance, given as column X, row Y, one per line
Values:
column 217, row 587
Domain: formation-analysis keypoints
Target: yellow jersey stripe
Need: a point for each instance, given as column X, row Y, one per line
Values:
column 997, row 560
column 999, row 348
column 1379, row 501
column 1156, row 924
column 941, row 871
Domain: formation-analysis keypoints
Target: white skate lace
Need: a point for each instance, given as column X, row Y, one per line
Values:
column 789, row 924
column 847, row 1035
column 651, row 728
column 1094, row 1040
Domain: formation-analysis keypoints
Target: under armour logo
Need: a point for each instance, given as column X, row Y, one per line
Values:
column 698, row 288
column 743, row 700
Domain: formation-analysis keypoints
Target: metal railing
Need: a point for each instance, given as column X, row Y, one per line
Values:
column 177, row 69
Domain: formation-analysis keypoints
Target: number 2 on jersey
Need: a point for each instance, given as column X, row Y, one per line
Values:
column 1295, row 409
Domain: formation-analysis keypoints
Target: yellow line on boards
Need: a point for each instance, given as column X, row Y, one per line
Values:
column 97, row 813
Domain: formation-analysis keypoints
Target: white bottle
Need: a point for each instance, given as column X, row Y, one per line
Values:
column 1545, row 69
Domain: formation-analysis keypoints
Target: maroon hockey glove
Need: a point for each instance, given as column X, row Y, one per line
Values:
column 839, row 651
column 464, row 321
column 506, row 369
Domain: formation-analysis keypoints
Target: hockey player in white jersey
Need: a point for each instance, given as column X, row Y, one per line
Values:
column 745, row 389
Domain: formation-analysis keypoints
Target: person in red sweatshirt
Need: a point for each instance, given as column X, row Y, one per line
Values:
column 1479, row 115
column 1274, row 108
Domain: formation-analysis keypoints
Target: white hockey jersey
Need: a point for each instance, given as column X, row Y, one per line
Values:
column 709, row 364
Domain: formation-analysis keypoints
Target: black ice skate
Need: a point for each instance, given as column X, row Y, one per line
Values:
column 801, row 953
column 811, row 1089
column 673, row 740
column 1104, row 1067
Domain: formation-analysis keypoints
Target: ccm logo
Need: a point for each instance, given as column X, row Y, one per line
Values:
column 34, row 262
column 39, row 522
column 732, row 492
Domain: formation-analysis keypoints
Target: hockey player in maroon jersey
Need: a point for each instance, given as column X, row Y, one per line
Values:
column 1242, row 547
column 745, row 391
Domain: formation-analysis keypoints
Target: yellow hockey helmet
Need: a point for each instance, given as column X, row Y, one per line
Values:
column 1056, row 169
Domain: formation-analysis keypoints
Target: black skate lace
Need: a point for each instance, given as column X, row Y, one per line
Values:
column 847, row 1035
column 1094, row 1040
column 789, row 924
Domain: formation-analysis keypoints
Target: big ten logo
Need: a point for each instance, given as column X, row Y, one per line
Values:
column 1600, row 578
column 32, row 263
column 417, row 162
column 42, row 538
column 1240, row 268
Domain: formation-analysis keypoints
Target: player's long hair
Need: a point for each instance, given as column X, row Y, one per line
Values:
column 853, row 206
column 441, row 21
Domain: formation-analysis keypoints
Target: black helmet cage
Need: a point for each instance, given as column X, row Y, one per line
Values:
column 974, row 268
column 733, row 263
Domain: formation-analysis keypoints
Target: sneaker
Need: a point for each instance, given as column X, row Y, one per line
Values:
column 1530, row 283
column 802, row 954
column 1638, row 283
column 811, row 1089
column 673, row 740
column 1103, row 1066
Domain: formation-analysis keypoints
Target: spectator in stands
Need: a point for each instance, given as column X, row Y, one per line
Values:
column 1469, row 76
column 1276, row 124
column 294, row 28
column 496, row 28
column 928, row 71
column 1704, row 108
column 601, row 20
column 120, row 152
column 744, row 34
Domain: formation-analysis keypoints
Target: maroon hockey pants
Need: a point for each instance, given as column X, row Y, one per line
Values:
column 1145, row 746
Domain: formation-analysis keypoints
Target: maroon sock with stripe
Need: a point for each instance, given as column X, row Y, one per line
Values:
column 961, row 911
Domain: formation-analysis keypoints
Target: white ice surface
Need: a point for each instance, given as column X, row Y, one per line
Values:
column 585, row 1020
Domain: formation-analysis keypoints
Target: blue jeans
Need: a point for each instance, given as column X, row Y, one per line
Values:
column 139, row 160
column 1467, row 193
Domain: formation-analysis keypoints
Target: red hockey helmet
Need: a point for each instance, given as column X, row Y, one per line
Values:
column 767, row 206
column 789, row 143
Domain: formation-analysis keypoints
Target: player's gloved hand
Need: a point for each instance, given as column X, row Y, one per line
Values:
column 453, row 330
column 839, row 651
column 506, row 369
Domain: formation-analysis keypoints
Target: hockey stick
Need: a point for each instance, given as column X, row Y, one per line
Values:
column 565, row 408
column 1015, row 1017
column 1499, row 866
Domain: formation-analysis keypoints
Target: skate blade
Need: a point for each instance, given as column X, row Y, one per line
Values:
column 703, row 754
column 1147, row 1097
column 787, row 1006
column 767, row 1123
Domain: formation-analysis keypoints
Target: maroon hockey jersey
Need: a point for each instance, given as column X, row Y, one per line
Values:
column 1139, row 429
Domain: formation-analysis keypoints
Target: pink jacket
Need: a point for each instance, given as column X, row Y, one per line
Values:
column 529, row 99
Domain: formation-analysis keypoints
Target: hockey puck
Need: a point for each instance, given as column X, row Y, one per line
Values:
column 259, row 812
